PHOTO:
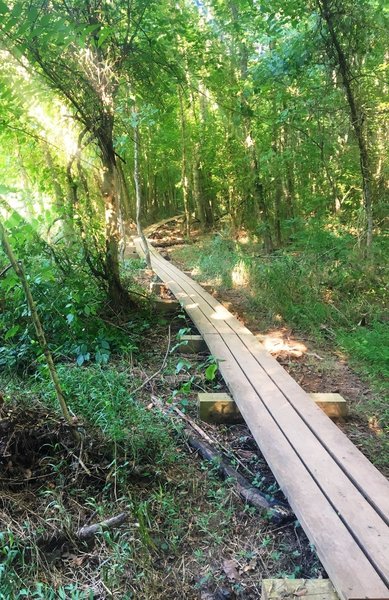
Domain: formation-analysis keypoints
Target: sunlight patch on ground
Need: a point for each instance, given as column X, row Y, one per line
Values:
column 279, row 341
column 374, row 426
column 208, row 281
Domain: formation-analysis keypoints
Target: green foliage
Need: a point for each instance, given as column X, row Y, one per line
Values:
column 102, row 395
column 70, row 304
column 369, row 346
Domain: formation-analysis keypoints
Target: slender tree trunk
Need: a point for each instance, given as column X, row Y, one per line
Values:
column 197, row 192
column 184, row 175
column 138, row 191
column 277, row 210
column 288, row 179
column 127, row 202
column 357, row 119
column 259, row 197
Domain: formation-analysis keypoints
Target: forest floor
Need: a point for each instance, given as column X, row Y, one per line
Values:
column 187, row 533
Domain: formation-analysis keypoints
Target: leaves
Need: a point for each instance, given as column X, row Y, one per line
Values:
column 210, row 372
column 11, row 332
column 230, row 569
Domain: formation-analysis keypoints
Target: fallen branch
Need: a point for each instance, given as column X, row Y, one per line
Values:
column 278, row 512
column 194, row 425
column 211, row 441
column 89, row 531
column 59, row 538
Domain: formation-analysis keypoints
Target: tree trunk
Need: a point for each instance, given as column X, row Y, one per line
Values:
column 259, row 199
column 118, row 296
column 357, row 120
column 138, row 191
column 184, row 175
column 127, row 203
column 277, row 210
column 196, row 186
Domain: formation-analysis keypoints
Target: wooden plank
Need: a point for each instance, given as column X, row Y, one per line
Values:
column 372, row 484
column 358, row 515
column 368, row 479
column 192, row 308
column 362, row 572
column 166, row 306
column 223, row 320
column 191, row 344
column 349, row 569
column 197, row 316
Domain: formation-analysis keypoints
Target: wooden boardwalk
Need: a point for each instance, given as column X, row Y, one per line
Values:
column 339, row 497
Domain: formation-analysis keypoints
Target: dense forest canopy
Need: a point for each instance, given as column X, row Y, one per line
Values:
column 268, row 112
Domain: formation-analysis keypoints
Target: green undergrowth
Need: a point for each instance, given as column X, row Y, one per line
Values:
column 71, row 303
column 101, row 396
column 318, row 284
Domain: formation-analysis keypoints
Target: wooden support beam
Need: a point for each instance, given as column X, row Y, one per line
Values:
column 334, row 405
column 166, row 307
column 194, row 344
column 291, row 589
column 218, row 408
column 130, row 252
column 156, row 286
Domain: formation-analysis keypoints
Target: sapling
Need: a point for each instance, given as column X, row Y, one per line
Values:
column 18, row 268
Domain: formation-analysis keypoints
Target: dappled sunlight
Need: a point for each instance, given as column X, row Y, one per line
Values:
column 240, row 275
column 278, row 341
column 191, row 306
column 204, row 280
column 56, row 128
column 15, row 202
column 375, row 426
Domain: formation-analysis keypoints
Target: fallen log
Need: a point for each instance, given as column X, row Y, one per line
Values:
column 168, row 243
column 152, row 228
column 278, row 512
